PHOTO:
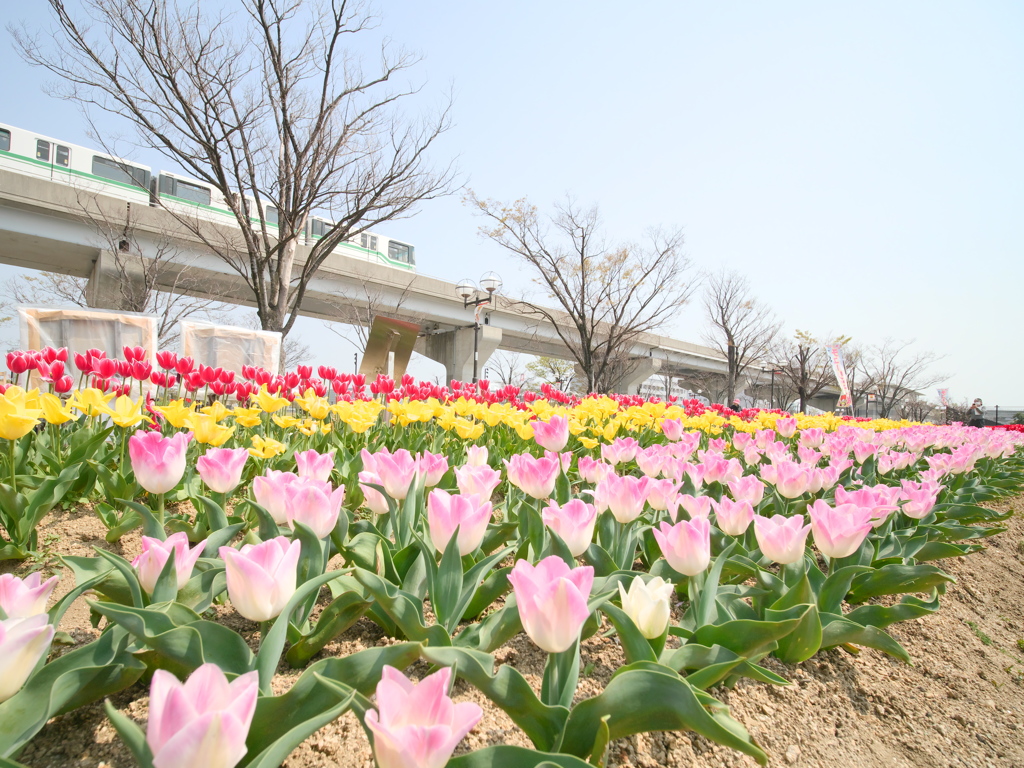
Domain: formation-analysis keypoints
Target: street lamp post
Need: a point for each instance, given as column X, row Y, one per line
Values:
column 470, row 295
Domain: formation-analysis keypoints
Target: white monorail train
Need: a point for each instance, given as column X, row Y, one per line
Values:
column 31, row 154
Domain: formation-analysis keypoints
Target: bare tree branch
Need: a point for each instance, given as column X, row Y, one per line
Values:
column 267, row 107
column 740, row 327
column 606, row 297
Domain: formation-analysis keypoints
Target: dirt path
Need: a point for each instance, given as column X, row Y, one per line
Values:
column 960, row 704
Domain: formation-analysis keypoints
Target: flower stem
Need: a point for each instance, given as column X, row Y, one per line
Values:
column 10, row 453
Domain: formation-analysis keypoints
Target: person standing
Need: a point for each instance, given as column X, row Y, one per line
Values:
column 976, row 413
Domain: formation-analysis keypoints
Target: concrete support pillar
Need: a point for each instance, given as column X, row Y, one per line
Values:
column 117, row 282
column 454, row 350
column 636, row 372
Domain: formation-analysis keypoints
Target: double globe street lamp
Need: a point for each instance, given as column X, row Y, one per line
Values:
column 471, row 296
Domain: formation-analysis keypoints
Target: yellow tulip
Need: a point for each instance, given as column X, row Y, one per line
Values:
column 90, row 401
column 467, row 430
column 18, row 417
column 247, row 417
column 286, row 422
column 317, row 407
column 217, row 409
column 177, row 415
column 126, row 412
column 265, row 447
column 207, row 431
column 269, row 403
column 589, row 443
column 55, row 411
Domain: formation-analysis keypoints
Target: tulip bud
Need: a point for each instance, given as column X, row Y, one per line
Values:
column 221, row 468
column 552, row 600
column 23, row 641
column 262, row 578
column 21, row 598
column 316, row 465
column 154, row 556
column 445, row 513
column 647, row 604
column 158, row 462
column 781, row 538
column 574, row 523
column 417, row 725
column 201, row 722
column 685, row 545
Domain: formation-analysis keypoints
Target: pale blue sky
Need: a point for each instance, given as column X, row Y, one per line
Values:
column 862, row 163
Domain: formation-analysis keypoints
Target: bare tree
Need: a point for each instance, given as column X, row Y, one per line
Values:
column 507, row 368
column 708, row 385
column 803, row 363
column 551, row 370
column 898, row 372
column 358, row 308
column 741, row 327
column 266, row 106
column 915, row 408
column 160, row 284
column 606, row 296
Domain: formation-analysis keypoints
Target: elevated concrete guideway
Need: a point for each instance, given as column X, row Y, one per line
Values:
column 53, row 227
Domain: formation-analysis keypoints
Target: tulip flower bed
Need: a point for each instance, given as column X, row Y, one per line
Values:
column 703, row 542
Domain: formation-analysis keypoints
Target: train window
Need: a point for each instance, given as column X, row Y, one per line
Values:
column 62, row 156
column 5, row 140
column 368, row 241
column 401, row 252
column 363, row 240
column 192, row 192
column 42, row 150
column 106, row 168
column 270, row 215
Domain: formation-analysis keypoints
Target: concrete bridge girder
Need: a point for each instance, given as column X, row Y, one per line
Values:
column 455, row 349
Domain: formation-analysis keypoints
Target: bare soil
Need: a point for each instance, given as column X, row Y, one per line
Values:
column 961, row 702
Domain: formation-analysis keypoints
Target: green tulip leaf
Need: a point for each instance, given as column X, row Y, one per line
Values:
column 507, row 756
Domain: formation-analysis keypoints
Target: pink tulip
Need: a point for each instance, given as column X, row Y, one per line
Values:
column 314, row 504
column 651, row 460
column 920, row 498
column 785, row 427
column 762, row 437
column 372, row 498
column 477, row 480
column 719, row 470
column 863, row 451
column 552, row 600
column 781, row 538
column 808, row 456
column 881, row 504
column 476, row 456
column 21, row 598
column 751, row 455
column 741, row 440
column 661, row 493
column 535, row 477
column 261, row 578
column 221, row 468
column 624, row 496
column 591, row 470
column 445, row 513
column 397, row 471
column 432, row 467
column 695, row 506
column 747, row 488
column 839, row 532
column 812, row 438
column 672, row 429
column 158, row 462
column 790, row 479
column 201, row 722
column 696, row 473
column 564, row 459
column 685, row 545
column 574, row 523
column 154, row 556
column 316, row 465
column 23, row 641
column 552, row 435
column 733, row 517
column 273, row 492
column 621, row 450
column 417, row 725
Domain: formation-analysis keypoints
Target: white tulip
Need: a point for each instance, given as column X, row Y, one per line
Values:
column 647, row 604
